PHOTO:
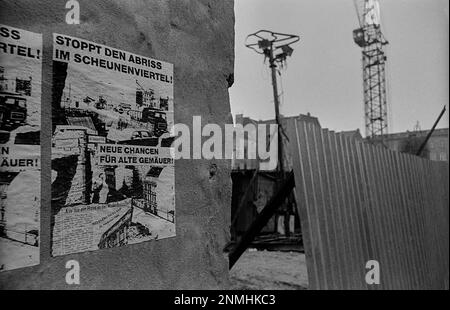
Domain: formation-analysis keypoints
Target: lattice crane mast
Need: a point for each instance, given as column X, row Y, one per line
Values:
column 370, row 38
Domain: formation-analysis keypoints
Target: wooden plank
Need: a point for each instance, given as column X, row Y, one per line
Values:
column 315, row 207
column 389, row 227
column 371, row 204
column 430, row 223
column 432, row 238
column 341, row 229
column 379, row 210
column 399, row 235
column 422, row 180
column 350, row 247
column 351, row 206
column 359, row 200
column 332, row 257
column 297, row 137
column 439, row 248
column 365, row 203
column 415, row 206
column 408, row 220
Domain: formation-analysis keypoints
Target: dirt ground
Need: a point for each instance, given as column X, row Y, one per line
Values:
column 269, row 270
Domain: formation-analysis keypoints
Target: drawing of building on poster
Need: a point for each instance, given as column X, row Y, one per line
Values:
column 113, row 171
column 20, row 120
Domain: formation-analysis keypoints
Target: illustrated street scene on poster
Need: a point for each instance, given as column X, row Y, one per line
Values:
column 20, row 120
column 113, row 172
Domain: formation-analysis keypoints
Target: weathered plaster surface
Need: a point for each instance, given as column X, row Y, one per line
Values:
column 197, row 36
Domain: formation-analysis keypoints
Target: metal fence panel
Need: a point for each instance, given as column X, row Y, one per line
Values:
column 359, row 202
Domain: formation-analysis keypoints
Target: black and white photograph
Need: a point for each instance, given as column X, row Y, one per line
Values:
column 225, row 152
column 20, row 126
column 112, row 171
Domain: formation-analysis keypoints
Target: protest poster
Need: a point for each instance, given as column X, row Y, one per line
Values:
column 113, row 171
column 20, row 172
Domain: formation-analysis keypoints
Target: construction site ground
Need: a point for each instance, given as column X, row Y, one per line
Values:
column 269, row 270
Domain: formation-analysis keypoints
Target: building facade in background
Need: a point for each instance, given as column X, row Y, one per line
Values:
column 436, row 148
column 253, row 187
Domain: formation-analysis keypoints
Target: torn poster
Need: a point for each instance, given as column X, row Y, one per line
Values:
column 113, row 174
column 20, row 154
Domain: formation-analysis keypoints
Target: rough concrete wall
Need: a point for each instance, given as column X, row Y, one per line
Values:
column 197, row 36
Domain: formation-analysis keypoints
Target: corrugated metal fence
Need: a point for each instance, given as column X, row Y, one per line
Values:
column 358, row 202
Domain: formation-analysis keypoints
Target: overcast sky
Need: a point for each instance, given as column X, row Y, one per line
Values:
column 324, row 75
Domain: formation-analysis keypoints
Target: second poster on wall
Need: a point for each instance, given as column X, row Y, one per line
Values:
column 113, row 172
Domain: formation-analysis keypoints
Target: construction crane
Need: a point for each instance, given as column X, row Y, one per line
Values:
column 140, row 86
column 141, row 94
column 370, row 38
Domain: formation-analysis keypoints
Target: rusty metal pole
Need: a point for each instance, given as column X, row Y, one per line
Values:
column 430, row 133
column 280, row 167
column 273, row 67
